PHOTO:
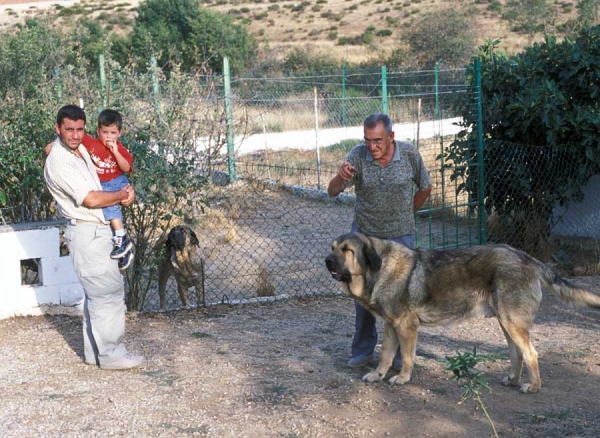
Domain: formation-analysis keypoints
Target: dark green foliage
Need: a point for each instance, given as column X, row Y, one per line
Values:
column 21, row 161
column 495, row 6
column 300, row 62
column 383, row 33
column 463, row 368
column 541, row 116
column 27, row 59
column 93, row 40
column 587, row 11
column 527, row 16
column 300, row 6
column 442, row 34
column 367, row 36
column 182, row 32
column 28, row 55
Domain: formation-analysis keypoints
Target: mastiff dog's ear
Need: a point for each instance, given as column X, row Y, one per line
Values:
column 371, row 256
column 194, row 238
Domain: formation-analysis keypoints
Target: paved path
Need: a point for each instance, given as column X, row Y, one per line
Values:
column 326, row 137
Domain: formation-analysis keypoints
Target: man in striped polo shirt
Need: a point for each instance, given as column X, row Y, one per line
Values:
column 384, row 173
column 73, row 182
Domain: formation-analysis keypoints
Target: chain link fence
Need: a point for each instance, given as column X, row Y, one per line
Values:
column 544, row 200
column 265, row 233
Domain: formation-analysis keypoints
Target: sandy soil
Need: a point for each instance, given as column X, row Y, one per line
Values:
column 278, row 370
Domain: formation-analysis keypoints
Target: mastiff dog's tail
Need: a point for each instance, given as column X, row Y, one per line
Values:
column 569, row 293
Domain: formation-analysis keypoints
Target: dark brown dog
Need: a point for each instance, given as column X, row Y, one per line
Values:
column 184, row 259
column 408, row 288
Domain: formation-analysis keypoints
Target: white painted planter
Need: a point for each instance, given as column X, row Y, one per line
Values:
column 57, row 289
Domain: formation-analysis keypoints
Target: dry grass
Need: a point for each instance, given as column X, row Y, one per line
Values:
column 266, row 288
column 264, row 119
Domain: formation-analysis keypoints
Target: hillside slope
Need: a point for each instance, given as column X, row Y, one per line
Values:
column 315, row 24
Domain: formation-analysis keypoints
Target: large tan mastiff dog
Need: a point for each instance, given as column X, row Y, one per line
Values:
column 409, row 288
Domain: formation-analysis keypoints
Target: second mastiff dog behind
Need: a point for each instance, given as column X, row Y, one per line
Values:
column 183, row 258
column 409, row 288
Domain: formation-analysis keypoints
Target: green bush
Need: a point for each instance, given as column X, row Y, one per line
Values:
column 300, row 6
column 540, row 117
column 368, row 37
column 182, row 32
column 495, row 6
column 427, row 45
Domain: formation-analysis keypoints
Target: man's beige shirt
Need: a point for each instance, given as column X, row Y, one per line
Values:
column 70, row 179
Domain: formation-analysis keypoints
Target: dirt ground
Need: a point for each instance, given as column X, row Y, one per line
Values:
column 278, row 370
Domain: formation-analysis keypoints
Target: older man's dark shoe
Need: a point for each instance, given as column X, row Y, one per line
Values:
column 365, row 359
column 361, row 360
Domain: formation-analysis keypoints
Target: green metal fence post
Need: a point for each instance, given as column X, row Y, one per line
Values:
column 480, row 151
column 155, row 88
column 344, row 94
column 102, row 80
column 58, row 85
column 229, row 118
column 437, row 94
column 384, row 97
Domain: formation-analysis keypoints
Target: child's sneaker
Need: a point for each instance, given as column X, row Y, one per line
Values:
column 125, row 261
column 122, row 245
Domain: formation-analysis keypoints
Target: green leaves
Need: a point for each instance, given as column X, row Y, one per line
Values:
column 541, row 124
column 469, row 379
column 463, row 368
column 184, row 33
column 443, row 34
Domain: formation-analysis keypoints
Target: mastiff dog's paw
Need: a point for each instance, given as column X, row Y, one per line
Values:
column 399, row 379
column 373, row 376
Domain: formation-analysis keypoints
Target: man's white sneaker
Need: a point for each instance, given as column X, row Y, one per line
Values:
column 124, row 363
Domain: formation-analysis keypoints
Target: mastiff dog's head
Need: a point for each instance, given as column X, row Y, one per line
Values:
column 352, row 255
column 180, row 237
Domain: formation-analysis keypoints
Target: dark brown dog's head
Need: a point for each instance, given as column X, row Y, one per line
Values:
column 181, row 236
column 351, row 255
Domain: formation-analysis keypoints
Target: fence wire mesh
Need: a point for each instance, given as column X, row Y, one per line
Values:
column 265, row 234
column 544, row 201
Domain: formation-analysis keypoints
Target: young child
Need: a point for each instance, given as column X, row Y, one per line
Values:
column 113, row 161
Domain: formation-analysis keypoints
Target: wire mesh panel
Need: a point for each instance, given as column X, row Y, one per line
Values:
column 450, row 218
column 544, row 200
column 266, row 235
column 262, row 242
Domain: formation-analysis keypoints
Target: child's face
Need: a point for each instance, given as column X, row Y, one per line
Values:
column 108, row 134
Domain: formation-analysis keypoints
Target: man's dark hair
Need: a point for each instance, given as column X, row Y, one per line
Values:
column 71, row 112
column 110, row 117
column 375, row 119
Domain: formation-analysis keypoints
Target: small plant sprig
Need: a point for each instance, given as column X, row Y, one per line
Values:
column 470, row 380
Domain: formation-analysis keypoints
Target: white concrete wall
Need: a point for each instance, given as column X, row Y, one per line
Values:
column 582, row 219
column 58, row 290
